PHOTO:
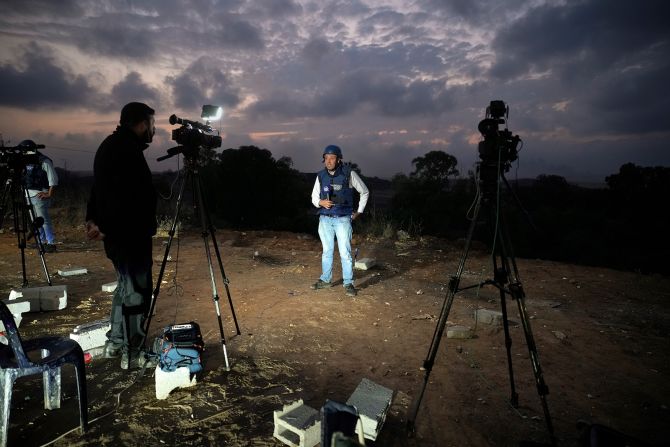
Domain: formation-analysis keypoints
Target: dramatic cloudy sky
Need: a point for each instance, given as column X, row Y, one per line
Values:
column 587, row 81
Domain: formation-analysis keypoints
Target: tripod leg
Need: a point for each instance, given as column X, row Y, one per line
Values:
column 202, row 213
column 210, row 229
column 29, row 216
column 161, row 272
column 518, row 294
column 20, row 235
column 442, row 322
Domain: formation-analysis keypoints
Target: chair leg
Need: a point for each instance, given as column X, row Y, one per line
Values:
column 80, row 370
column 51, row 379
column 6, row 383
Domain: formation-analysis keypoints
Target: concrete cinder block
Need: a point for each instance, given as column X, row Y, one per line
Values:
column 53, row 298
column 365, row 263
column 492, row 317
column 463, row 332
column 91, row 335
column 14, row 294
column 372, row 402
column 109, row 287
column 168, row 381
column 297, row 425
column 73, row 271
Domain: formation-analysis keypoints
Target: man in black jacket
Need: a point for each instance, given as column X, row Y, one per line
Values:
column 122, row 213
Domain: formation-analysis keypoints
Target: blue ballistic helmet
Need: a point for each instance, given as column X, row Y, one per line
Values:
column 332, row 149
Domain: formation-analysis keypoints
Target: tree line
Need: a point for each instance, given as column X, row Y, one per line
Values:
column 623, row 225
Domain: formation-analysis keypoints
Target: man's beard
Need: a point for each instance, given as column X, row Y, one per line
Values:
column 148, row 136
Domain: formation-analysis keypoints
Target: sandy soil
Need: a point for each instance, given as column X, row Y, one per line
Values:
column 602, row 337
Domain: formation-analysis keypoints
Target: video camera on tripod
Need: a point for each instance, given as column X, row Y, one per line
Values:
column 194, row 135
column 13, row 164
column 499, row 146
column 17, row 157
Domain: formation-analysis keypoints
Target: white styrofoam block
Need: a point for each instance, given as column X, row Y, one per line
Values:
column 33, row 303
column 73, row 271
column 168, row 381
column 372, row 402
column 109, row 287
column 91, row 335
column 297, row 425
column 18, row 306
column 365, row 263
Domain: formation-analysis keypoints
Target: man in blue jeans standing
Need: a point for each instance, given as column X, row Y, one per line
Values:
column 333, row 195
column 40, row 181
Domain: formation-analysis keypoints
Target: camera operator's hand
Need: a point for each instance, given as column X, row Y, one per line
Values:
column 327, row 204
column 93, row 232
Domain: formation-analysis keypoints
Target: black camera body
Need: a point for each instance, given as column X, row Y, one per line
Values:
column 499, row 146
column 16, row 158
column 191, row 137
column 194, row 134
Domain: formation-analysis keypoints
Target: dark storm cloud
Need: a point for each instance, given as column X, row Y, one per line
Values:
column 235, row 32
column 380, row 92
column 380, row 21
column 275, row 9
column 110, row 35
column 37, row 81
column 132, row 88
column 40, row 8
column 478, row 12
column 594, row 35
column 314, row 50
column 611, row 58
column 203, row 82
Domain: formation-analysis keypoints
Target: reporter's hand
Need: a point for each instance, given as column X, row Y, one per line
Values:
column 355, row 215
column 327, row 204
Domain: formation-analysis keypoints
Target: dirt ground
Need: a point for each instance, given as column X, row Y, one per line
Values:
column 602, row 337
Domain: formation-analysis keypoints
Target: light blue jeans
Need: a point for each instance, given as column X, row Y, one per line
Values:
column 41, row 207
column 329, row 229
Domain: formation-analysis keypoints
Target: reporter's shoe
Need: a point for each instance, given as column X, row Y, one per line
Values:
column 320, row 284
column 111, row 350
column 350, row 290
column 49, row 248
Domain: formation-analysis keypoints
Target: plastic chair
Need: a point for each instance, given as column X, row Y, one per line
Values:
column 16, row 361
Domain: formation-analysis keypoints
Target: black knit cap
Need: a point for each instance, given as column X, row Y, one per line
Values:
column 135, row 112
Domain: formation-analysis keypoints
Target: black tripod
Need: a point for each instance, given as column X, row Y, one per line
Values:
column 191, row 175
column 25, row 223
column 505, row 279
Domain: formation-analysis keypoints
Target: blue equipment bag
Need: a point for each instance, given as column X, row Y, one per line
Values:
column 180, row 345
column 172, row 357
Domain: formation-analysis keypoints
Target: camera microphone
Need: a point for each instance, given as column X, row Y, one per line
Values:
column 174, row 119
